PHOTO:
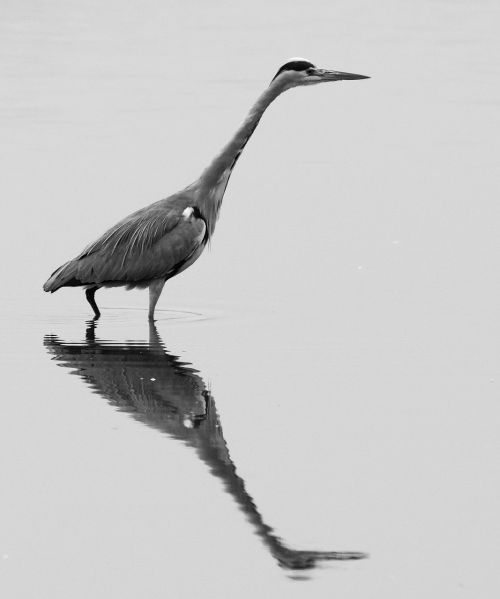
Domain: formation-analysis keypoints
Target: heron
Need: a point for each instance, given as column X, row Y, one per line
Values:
column 157, row 242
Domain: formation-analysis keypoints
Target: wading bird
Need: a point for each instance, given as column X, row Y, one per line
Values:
column 152, row 245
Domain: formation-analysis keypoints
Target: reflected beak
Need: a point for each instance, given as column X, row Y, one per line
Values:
column 325, row 75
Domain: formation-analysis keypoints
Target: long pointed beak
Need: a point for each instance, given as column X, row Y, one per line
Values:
column 326, row 75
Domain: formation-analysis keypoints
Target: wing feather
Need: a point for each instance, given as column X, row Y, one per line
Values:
column 154, row 242
column 137, row 226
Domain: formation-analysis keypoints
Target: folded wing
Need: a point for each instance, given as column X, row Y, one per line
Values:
column 155, row 242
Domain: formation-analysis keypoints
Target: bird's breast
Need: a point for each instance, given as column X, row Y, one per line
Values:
column 210, row 199
column 192, row 216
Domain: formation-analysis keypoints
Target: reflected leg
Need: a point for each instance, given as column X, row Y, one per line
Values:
column 89, row 294
column 155, row 289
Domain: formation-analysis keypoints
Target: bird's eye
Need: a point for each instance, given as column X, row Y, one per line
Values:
column 310, row 71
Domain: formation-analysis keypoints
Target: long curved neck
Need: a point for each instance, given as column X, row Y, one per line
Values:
column 214, row 179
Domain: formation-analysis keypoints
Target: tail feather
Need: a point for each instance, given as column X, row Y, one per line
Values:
column 64, row 276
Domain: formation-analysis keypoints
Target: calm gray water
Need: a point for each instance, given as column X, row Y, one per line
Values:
column 326, row 377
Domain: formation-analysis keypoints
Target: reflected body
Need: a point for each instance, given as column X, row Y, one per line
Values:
column 154, row 244
column 162, row 392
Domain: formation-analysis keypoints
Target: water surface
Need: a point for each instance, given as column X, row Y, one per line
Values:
column 326, row 376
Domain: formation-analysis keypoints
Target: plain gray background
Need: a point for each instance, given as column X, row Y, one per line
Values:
column 345, row 318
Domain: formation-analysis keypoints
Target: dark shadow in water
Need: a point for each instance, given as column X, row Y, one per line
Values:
column 169, row 395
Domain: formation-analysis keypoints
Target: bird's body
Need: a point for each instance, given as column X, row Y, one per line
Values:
column 152, row 245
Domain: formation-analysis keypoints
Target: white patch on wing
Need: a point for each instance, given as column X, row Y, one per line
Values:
column 187, row 214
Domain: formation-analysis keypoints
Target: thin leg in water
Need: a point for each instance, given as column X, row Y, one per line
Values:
column 155, row 289
column 89, row 294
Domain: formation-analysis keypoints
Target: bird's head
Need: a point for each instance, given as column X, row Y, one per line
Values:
column 298, row 71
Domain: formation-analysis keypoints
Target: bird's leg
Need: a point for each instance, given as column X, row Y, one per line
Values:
column 89, row 294
column 155, row 289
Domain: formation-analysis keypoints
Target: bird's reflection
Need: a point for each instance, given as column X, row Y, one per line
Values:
column 165, row 393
